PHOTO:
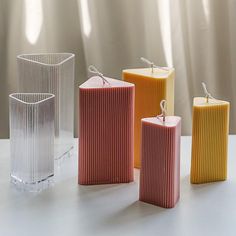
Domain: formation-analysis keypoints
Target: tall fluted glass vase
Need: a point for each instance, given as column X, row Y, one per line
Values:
column 52, row 73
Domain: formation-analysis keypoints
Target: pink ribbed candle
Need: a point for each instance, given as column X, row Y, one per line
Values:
column 106, row 131
column 160, row 161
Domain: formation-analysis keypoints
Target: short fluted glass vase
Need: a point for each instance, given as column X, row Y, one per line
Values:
column 32, row 140
column 52, row 73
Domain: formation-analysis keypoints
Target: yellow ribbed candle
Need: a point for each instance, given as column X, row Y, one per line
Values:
column 209, row 140
column 151, row 86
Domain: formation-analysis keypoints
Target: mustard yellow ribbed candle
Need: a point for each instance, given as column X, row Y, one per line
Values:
column 151, row 86
column 209, row 140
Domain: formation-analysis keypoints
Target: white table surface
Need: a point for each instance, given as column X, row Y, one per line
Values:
column 69, row 209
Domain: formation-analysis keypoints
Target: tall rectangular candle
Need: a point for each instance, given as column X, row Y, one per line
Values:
column 106, row 131
column 160, row 157
column 150, row 88
column 209, row 140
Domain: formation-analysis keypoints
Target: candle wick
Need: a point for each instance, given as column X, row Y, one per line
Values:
column 92, row 69
column 163, row 106
column 207, row 94
column 152, row 65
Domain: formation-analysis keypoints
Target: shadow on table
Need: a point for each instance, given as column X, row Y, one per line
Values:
column 133, row 214
column 123, row 200
column 200, row 189
column 89, row 192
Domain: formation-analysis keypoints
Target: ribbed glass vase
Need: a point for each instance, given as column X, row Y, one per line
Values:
column 52, row 73
column 32, row 139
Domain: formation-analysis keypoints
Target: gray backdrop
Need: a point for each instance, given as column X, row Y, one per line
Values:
column 196, row 37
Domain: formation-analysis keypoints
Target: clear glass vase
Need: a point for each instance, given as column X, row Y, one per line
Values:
column 32, row 139
column 52, row 73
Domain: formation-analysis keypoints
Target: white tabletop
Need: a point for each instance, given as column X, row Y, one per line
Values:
column 70, row 209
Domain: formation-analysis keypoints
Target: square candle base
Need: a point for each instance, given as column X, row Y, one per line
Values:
column 34, row 186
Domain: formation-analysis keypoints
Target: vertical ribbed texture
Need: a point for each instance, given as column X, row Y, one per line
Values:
column 106, row 135
column 52, row 73
column 31, row 137
column 148, row 94
column 209, row 143
column 160, row 167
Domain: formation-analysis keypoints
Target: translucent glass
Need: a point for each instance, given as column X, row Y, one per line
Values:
column 32, row 139
column 52, row 73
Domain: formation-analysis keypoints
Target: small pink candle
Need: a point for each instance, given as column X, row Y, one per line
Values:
column 160, row 161
column 106, row 129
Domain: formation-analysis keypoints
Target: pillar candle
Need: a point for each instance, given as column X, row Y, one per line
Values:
column 160, row 161
column 151, row 86
column 209, row 140
column 106, row 131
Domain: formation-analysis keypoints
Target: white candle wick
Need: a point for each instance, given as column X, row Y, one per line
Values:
column 163, row 106
column 207, row 94
column 92, row 69
column 152, row 65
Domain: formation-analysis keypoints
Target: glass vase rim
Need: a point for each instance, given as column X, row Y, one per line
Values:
column 70, row 56
column 50, row 96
